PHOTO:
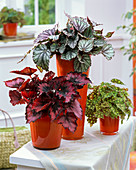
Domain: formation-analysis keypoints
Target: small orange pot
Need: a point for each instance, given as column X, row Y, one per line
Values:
column 64, row 67
column 10, row 29
column 46, row 134
column 109, row 126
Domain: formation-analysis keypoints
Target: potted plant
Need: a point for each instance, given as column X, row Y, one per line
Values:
column 50, row 101
column 73, row 47
column 10, row 18
column 110, row 103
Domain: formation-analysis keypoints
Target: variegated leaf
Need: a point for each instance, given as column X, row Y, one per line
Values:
column 62, row 48
column 83, row 64
column 41, row 56
column 99, row 42
column 85, row 45
column 117, row 81
column 72, row 42
column 79, row 23
column 88, row 33
column 108, row 51
column 69, row 55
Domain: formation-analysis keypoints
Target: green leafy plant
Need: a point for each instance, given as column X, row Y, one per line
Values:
column 10, row 15
column 108, row 99
column 131, row 30
column 78, row 41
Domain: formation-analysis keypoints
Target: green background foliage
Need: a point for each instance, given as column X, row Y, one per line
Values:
column 131, row 30
column 46, row 12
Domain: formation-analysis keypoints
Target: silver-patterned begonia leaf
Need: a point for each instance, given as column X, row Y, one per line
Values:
column 72, row 42
column 108, row 51
column 69, row 31
column 62, row 48
column 50, row 33
column 99, row 42
column 88, row 33
column 86, row 45
column 79, row 23
column 69, row 55
column 83, row 64
column 63, row 39
column 54, row 37
column 41, row 56
column 53, row 47
column 96, row 51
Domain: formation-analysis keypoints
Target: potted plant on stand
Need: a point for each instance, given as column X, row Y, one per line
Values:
column 10, row 18
column 109, row 103
column 73, row 47
column 50, row 102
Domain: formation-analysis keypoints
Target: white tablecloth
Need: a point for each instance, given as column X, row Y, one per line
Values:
column 93, row 152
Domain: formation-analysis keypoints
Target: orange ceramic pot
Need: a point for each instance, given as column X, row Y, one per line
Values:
column 10, row 29
column 109, row 126
column 46, row 134
column 133, row 160
column 64, row 67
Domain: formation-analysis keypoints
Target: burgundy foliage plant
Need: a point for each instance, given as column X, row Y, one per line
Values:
column 53, row 96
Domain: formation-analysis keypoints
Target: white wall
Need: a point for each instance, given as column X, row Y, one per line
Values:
column 10, row 54
column 109, row 13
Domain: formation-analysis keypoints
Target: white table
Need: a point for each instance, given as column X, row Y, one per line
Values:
column 93, row 152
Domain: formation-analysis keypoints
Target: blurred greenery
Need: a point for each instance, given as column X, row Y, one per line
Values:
column 46, row 12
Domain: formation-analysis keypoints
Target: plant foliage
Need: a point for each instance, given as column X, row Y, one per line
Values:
column 78, row 41
column 131, row 30
column 10, row 15
column 109, row 100
column 53, row 96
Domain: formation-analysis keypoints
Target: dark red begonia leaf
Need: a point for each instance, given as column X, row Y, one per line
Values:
column 28, row 94
column 75, row 107
column 36, row 79
column 44, row 88
column 55, row 110
column 15, row 97
column 66, row 90
column 78, row 79
column 41, row 103
column 68, row 121
column 14, row 83
column 24, row 84
column 48, row 76
column 32, row 115
column 33, row 85
column 26, row 71
column 57, row 81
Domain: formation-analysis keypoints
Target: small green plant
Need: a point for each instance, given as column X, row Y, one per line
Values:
column 109, row 100
column 131, row 30
column 10, row 15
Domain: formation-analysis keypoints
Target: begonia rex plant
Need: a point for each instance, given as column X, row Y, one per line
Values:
column 78, row 41
column 53, row 96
